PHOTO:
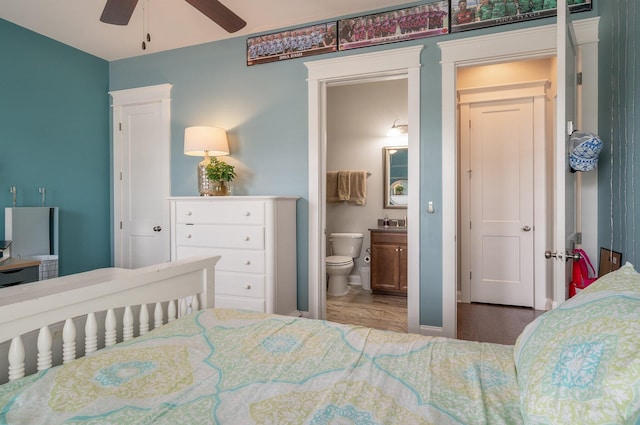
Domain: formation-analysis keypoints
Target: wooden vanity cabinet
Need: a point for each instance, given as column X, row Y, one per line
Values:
column 389, row 262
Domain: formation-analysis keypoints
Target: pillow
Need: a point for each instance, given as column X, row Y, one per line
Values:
column 580, row 363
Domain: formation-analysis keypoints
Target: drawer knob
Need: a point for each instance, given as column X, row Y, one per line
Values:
column 247, row 213
column 247, row 238
column 188, row 235
column 247, row 263
column 247, row 286
column 189, row 213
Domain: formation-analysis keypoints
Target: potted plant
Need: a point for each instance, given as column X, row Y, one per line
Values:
column 398, row 190
column 220, row 174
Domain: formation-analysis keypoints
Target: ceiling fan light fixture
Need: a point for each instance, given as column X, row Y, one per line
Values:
column 220, row 14
column 118, row 12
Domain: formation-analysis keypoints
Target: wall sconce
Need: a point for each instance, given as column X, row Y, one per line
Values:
column 205, row 141
column 398, row 129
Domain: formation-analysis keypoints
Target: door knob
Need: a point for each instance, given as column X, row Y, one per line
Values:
column 548, row 255
column 157, row 229
column 526, row 228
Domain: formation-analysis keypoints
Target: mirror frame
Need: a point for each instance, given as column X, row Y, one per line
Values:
column 387, row 151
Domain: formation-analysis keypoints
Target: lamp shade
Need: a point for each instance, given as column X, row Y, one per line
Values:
column 202, row 140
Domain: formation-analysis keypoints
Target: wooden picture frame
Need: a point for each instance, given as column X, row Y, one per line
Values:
column 427, row 19
column 609, row 261
column 475, row 14
column 293, row 43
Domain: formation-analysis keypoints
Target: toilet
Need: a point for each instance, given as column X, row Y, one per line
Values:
column 344, row 247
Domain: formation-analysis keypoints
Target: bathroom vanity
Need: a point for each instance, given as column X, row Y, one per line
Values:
column 389, row 261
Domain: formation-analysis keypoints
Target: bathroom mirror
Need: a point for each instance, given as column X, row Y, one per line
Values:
column 396, row 176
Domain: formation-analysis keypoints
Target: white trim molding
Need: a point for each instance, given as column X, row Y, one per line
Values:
column 141, row 95
column 121, row 99
column 508, row 46
column 394, row 63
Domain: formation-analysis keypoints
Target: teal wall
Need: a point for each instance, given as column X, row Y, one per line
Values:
column 263, row 107
column 54, row 133
column 619, row 128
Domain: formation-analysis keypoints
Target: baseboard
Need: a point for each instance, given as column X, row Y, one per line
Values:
column 431, row 330
column 550, row 304
column 459, row 295
column 304, row 314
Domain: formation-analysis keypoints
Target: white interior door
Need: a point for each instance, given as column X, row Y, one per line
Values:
column 564, row 211
column 501, row 202
column 141, row 183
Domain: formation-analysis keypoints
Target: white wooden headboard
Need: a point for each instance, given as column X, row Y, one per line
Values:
column 39, row 305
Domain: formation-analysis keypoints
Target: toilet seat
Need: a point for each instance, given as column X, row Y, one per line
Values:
column 338, row 260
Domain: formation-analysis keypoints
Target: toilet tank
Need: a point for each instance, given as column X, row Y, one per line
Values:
column 346, row 244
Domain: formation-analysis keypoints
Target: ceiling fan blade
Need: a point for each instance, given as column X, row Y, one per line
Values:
column 219, row 13
column 118, row 12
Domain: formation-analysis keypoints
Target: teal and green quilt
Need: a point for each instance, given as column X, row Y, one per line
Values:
column 224, row 366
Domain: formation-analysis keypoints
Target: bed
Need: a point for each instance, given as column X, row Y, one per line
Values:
column 578, row 364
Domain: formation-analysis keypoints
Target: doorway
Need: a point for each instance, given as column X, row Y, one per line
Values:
column 531, row 43
column 359, row 118
column 389, row 63
column 534, row 43
column 141, row 183
column 504, row 180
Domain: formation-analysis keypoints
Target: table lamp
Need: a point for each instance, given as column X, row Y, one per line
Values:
column 205, row 141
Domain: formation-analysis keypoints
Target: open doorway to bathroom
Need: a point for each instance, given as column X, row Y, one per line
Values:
column 359, row 117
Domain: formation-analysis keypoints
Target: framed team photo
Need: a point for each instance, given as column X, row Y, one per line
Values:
column 474, row 14
column 424, row 20
column 291, row 44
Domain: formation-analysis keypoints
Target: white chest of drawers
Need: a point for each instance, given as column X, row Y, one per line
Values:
column 256, row 239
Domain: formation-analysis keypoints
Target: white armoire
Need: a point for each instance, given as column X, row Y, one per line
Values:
column 256, row 239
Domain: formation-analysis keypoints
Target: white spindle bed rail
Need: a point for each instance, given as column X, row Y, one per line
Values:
column 167, row 287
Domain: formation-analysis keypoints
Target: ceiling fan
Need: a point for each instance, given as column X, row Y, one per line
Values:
column 118, row 12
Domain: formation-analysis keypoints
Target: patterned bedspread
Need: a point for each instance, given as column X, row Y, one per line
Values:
column 236, row 367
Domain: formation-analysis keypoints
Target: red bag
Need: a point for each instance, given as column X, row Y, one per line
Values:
column 581, row 275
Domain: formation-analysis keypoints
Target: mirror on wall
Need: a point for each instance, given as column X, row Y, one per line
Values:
column 396, row 176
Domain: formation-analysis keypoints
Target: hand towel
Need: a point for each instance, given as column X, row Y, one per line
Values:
column 358, row 187
column 332, row 186
column 344, row 185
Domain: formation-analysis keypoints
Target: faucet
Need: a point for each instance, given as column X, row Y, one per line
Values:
column 397, row 222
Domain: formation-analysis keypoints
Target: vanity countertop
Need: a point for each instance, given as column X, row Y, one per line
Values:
column 389, row 229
